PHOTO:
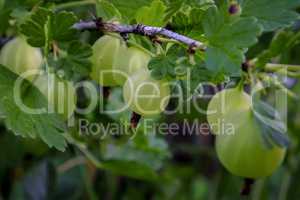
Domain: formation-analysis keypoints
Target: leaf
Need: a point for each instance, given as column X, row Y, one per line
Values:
column 48, row 126
column 172, row 8
column 129, row 8
column 107, row 10
column 213, row 21
column 227, row 40
column 268, row 119
column 128, row 152
column 43, row 24
column 240, row 33
column 273, row 14
column 141, row 156
column 199, row 74
column 34, row 28
column 279, row 45
column 77, row 59
column 228, row 60
column 152, row 15
column 196, row 17
column 20, row 15
column 162, row 66
column 186, row 23
column 130, row 169
column 61, row 26
column 136, row 161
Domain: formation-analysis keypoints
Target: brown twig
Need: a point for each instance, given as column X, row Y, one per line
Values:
column 137, row 29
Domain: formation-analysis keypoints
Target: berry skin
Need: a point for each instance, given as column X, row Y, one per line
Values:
column 240, row 148
column 105, row 54
column 130, row 61
column 144, row 95
column 20, row 57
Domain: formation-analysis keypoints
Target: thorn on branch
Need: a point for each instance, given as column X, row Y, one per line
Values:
column 99, row 23
column 139, row 29
column 246, row 189
column 169, row 27
column 155, row 40
column 134, row 121
column 192, row 49
column 125, row 36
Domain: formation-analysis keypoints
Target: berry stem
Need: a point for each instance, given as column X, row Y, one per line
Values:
column 246, row 189
column 106, row 92
column 276, row 67
column 134, row 121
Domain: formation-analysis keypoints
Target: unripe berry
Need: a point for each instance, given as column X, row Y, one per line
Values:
column 20, row 57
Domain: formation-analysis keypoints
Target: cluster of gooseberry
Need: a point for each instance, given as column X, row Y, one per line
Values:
column 115, row 64
column 26, row 61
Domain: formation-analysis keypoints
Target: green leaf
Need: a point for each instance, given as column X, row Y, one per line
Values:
column 228, row 60
column 44, row 24
column 130, row 169
column 141, row 156
column 107, row 10
column 228, row 37
column 61, row 26
column 175, row 6
column 162, row 66
column 240, row 33
column 129, row 8
column 152, row 15
column 273, row 14
column 129, row 152
column 213, row 21
column 34, row 28
column 200, row 74
column 48, row 126
column 136, row 160
column 172, row 8
column 20, row 15
column 278, row 46
column 187, row 23
column 180, row 23
column 273, row 129
column 76, row 60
